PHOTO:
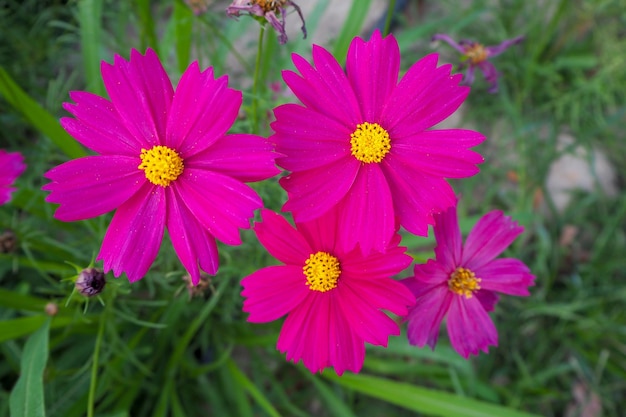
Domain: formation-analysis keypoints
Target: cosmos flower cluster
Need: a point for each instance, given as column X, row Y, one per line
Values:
column 361, row 163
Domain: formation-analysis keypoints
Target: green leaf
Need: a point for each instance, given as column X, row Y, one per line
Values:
column 27, row 399
column 38, row 117
column 335, row 404
column 90, row 16
column 351, row 28
column 243, row 380
column 183, row 30
column 15, row 328
column 430, row 402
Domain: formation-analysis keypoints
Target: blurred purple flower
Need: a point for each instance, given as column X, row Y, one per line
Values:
column 268, row 9
column 11, row 166
column 463, row 281
column 477, row 55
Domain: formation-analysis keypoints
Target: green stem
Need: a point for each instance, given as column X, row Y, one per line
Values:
column 94, row 366
column 255, row 85
column 390, row 11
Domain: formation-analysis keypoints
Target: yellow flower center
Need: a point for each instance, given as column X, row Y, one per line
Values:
column 476, row 53
column 322, row 271
column 464, row 282
column 370, row 142
column 161, row 165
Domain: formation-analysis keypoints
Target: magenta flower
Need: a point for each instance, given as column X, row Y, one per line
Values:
column 360, row 141
column 270, row 10
column 476, row 55
column 164, row 161
column 463, row 281
column 333, row 299
column 11, row 166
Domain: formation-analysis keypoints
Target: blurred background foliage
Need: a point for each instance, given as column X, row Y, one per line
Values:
column 157, row 348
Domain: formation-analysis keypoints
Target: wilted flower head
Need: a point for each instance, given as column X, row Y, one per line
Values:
column 11, row 166
column 463, row 281
column 90, row 282
column 270, row 10
column 477, row 55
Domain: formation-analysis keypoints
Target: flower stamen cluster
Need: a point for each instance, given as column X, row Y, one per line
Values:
column 476, row 52
column 161, row 165
column 464, row 282
column 322, row 271
column 370, row 142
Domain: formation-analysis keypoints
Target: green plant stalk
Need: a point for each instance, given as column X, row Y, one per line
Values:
column 182, row 345
column 255, row 85
column 94, row 365
column 390, row 11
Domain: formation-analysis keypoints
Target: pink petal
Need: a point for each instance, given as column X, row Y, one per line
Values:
column 141, row 92
column 449, row 239
column 440, row 153
column 469, row 327
column 368, row 322
column 203, row 110
column 380, row 293
column 431, row 305
column 98, row 126
column 192, row 243
column 372, row 69
column 425, row 96
column 432, row 272
column 134, row 235
column 493, row 233
column 367, row 212
column 273, row 292
column 347, row 349
column 506, row 275
column 221, row 204
column 325, row 88
column 376, row 264
column 488, row 299
column 91, row 186
column 308, row 139
column 243, row 157
column 12, row 164
column 281, row 240
column 417, row 196
column 302, row 330
column 322, row 232
column 314, row 192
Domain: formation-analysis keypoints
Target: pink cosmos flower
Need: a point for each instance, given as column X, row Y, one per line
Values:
column 332, row 299
column 475, row 55
column 11, row 166
column 359, row 142
column 463, row 281
column 164, row 161
column 270, row 10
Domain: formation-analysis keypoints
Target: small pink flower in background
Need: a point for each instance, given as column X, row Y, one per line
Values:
column 198, row 6
column 333, row 299
column 11, row 166
column 164, row 161
column 462, row 282
column 360, row 144
column 477, row 55
column 270, row 10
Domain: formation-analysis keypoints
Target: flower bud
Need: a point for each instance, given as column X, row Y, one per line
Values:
column 90, row 282
column 51, row 309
